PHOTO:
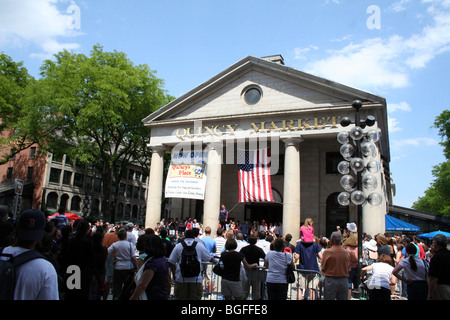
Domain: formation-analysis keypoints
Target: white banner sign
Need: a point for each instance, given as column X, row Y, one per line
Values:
column 186, row 177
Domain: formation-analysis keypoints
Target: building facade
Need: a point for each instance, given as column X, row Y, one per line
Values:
column 51, row 182
column 261, row 103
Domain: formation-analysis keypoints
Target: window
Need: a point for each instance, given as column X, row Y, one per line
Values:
column 67, row 176
column 9, row 173
column 97, row 184
column 130, row 174
column 52, row 200
column 29, row 173
column 78, row 180
column 252, row 94
column 32, row 152
column 55, row 175
column 332, row 161
column 75, row 204
column 88, row 183
column 121, row 189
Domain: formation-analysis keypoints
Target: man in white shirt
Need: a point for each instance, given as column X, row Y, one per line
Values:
column 262, row 242
column 130, row 235
column 36, row 279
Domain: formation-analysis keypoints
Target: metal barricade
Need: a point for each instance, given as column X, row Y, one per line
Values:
column 308, row 284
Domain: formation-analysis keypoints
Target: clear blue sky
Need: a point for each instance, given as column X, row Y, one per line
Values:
column 395, row 49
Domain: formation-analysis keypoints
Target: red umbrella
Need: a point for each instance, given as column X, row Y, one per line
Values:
column 70, row 216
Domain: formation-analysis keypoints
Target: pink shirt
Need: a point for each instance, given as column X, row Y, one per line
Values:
column 307, row 233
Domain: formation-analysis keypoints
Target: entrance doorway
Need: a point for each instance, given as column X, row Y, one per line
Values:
column 264, row 211
column 271, row 212
column 337, row 215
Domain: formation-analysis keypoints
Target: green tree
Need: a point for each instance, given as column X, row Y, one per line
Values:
column 14, row 81
column 91, row 108
column 437, row 196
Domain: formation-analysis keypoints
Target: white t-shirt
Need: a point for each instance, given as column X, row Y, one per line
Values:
column 36, row 279
column 277, row 264
column 220, row 245
column 382, row 273
column 175, row 258
column 263, row 244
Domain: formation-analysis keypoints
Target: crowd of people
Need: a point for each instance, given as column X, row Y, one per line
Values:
column 180, row 259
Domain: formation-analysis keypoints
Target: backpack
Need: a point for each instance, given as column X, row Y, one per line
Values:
column 8, row 271
column 189, row 265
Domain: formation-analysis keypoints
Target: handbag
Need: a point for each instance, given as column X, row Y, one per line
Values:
column 218, row 269
column 290, row 276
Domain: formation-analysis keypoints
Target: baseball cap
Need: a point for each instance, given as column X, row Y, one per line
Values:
column 31, row 225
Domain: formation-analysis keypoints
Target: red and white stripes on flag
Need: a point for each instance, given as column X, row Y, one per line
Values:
column 254, row 175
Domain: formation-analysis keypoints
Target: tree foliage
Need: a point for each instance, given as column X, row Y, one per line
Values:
column 91, row 108
column 437, row 196
column 14, row 83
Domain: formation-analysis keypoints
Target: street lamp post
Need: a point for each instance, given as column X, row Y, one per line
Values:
column 359, row 150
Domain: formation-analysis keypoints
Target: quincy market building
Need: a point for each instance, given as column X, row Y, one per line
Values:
column 260, row 103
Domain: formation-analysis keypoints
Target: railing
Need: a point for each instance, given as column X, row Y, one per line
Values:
column 308, row 284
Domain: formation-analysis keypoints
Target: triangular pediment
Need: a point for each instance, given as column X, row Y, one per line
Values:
column 283, row 90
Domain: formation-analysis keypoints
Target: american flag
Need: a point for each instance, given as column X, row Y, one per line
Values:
column 254, row 175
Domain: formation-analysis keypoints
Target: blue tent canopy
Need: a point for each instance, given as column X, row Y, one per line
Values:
column 394, row 224
column 432, row 234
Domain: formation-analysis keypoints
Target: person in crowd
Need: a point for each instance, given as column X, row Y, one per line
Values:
column 124, row 261
column 155, row 276
column 277, row 262
column 240, row 240
column 420, row 246
column 61, row 218
column 307, row 231
column 382, row 282
column 335, row 265
column 439, row 273
column 263, row 242
column 231, row 281
column 220, row 242
column 415, row 274
column 99, row 267
column 351, row 245
column 140, row 247
column 307, row 253
column 188, row 288
column 6, row 227
column 382, row 244
column 287, row 242
column 168, row 246
column 108, row 239
column 130, row 235
column 210, row 245
column 252, row 254
column 223, row 216
column 37, row 279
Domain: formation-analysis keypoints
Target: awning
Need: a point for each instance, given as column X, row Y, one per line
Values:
column 432, row 234
column 394, row 224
